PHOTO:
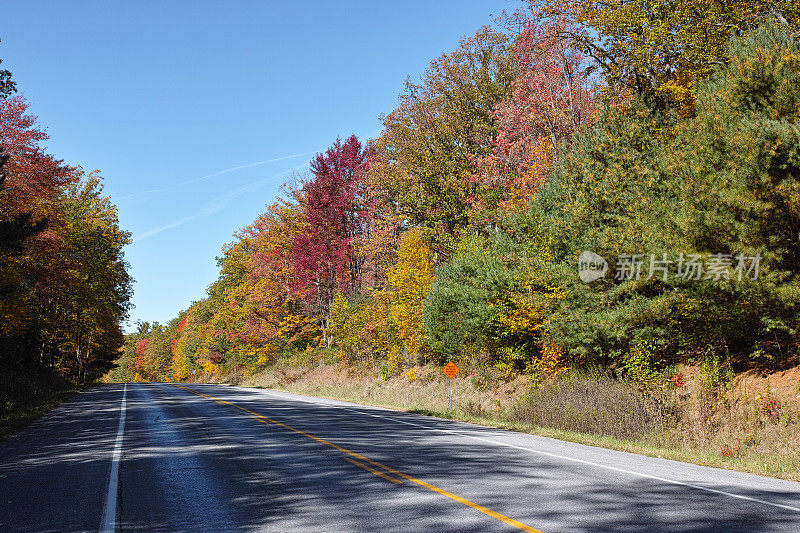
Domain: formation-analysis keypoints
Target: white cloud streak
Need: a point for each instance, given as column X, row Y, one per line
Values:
column 215, row 205
column 143, row 195
column 220, row 202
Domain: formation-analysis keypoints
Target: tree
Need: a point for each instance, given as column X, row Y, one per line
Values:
column 7, row 85
column 143, row 327
column 33, row 178
column 96, row 287
column 30, row 181
column 376, row 245
column 741, row 160
column 141, row 348
column 16, row 230
column 723, row 182
column 494, row 297
column 274, row 313
column 658, row 48
column 550, row 99
column 64, row 286
column 31, row 185
column 410, row 280
column 424, row 156
column 615, row 192
column 742, row 153
column 324, row 257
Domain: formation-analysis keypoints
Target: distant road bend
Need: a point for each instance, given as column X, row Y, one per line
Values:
column 170, row 457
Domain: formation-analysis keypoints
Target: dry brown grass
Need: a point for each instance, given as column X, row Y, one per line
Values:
column 590, row 403
column 726, row 428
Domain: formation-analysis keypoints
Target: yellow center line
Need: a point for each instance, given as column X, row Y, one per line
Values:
column 459, row 499
column 370, row 469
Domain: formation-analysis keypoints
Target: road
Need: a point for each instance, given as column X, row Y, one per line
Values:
column 195, row 457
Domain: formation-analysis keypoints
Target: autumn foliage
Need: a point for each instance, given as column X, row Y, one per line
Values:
column 325, row 259
column 617, row 127
column 64, row 286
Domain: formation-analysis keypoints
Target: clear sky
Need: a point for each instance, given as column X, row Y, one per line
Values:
column 196, row 111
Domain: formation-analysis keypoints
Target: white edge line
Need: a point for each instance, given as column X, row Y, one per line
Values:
column 109, row 523
column 562, row 457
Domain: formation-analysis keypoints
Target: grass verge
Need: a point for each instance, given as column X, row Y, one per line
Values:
column 27, row 397
column 736, row 434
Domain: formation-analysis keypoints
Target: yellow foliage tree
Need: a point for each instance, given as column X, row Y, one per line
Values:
column 410, row 280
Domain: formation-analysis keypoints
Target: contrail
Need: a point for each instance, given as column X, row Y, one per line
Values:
column 207, row 176
column 220, row 202
column 216, row 204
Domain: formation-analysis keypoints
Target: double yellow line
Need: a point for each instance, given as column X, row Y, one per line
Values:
column 376, row 472
column 376, row 468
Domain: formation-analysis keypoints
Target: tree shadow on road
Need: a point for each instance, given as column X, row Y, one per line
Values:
column 192, row 464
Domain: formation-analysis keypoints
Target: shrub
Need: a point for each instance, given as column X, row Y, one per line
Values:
column 494, row 296
column 589, row 403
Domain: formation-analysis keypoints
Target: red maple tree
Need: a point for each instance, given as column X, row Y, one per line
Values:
column 551, row 97
column 324, row 258
column 33, row 178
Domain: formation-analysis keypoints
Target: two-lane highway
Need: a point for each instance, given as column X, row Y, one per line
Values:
column 217, row 458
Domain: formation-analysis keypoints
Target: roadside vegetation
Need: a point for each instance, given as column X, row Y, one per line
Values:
column 750, row 424
column 29, row 394
column 64, row 285
column 594, row 209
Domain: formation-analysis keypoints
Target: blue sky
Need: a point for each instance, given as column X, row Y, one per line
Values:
column 196, row 112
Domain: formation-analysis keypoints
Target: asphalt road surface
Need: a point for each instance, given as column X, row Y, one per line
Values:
column 216, row 458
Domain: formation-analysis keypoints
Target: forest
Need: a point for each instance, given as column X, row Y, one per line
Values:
column 64, row 282
column 661, row 139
